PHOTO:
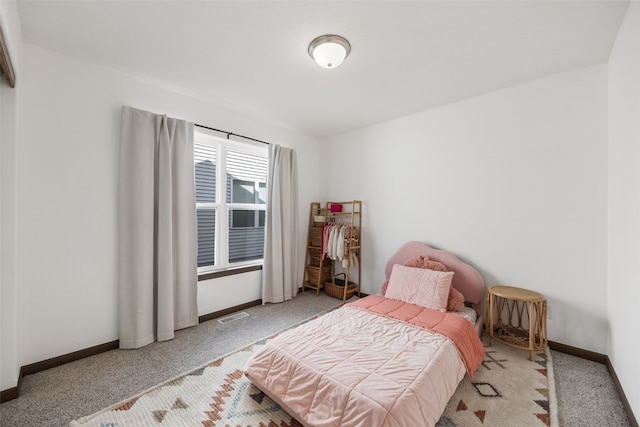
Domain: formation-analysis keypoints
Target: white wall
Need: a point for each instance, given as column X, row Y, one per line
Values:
column 513, row 181
column 67, row 167
column 624, row 204
column 9, row 290
column 218, row 294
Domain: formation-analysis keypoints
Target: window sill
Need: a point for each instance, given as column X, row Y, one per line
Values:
column 228, row 272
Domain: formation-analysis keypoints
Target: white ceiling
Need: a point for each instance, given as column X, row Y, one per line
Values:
column 407, row 56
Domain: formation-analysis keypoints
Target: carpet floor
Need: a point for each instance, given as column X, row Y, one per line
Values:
column 508, row 390
column 585, row 391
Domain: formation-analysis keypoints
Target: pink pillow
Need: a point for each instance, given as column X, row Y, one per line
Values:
column 455, row 301
column 420, row 286
column 423, row 261
column 383, row 288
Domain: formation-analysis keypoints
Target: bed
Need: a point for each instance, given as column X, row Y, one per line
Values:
column 384, row 360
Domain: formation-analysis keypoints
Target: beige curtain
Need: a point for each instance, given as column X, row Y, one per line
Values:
column 157, row 228
column 279, row 273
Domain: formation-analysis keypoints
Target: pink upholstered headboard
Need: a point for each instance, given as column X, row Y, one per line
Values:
column 466, row 279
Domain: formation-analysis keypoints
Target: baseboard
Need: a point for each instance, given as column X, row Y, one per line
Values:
column 625, row 403
column 11, row 393
column 230, row 310
column 14, row 392
column 604, row 359
column 578, row 352
column 67, row 358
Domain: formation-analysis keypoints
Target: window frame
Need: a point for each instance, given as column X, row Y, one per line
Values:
column 223, row 208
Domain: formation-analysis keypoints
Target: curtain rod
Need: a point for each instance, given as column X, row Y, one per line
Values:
column 231, row 133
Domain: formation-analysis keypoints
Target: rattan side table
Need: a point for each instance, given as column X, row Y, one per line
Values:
column 517, row 317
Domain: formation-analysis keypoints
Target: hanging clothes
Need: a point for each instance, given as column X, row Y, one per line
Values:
column 337, row 239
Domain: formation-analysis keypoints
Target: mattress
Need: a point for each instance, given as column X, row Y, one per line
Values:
column 352, row 367
column 469, row 314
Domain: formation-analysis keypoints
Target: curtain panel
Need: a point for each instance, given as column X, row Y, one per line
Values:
column 280, row 273
column 157, row 228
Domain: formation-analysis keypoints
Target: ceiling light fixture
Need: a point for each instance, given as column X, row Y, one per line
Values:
column 329, row 50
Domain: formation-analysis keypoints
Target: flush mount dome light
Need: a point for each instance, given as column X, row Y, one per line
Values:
column 329, row 50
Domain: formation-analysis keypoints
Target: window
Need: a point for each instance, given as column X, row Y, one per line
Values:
column 230, row 210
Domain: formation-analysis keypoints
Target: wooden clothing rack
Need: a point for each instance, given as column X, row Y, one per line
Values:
column 322, row 268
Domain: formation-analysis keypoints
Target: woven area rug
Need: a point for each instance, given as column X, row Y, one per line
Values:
column 508, row 390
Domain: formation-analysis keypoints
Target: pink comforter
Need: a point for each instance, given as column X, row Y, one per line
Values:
column 450, row 325
column 353, row 367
